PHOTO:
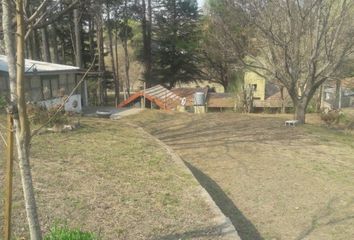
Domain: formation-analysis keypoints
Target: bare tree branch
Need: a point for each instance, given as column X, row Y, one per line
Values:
column 40, row 8
column 41, row 21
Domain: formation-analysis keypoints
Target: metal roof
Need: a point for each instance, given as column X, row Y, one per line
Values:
column 32, row 66
column 158, row 94
column 162, row 93
column 188, row 93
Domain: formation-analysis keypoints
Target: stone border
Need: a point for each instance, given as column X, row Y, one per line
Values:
column 228, row 229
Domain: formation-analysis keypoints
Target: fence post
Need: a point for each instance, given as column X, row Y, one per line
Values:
column 8, row 177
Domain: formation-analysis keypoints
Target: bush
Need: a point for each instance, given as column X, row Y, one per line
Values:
column 2, row 103
column 312, row 107
column 57, row 117
column 64, row 233
column 40, row 115
column 37, row 114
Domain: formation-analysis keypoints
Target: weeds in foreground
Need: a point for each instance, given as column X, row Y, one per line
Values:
column 64, row 233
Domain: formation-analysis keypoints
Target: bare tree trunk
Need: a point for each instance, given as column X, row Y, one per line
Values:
column 45, row 45
column 62, row 51
column 144, row 25
column 22, row 130
column 148, row 45
column 91, row 38
column 282, row 110
column 27, row 49
column 10, row 48
column 300, row 111
column 224, row 79
column 36, row 46
column 34, row 49
column 117, row 87
column 146, row 29
column 125, row 46
column 319, row 99
column 173, row 65
column 54, row 43
column 127, row 66
column 116, row 92
column 101, row 66
column 29, row 46
column 78, row 47
column 338, row 103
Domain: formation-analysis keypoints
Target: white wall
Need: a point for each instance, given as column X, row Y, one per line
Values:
column 72, row 105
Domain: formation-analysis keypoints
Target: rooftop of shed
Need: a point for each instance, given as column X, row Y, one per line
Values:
column 38, row 67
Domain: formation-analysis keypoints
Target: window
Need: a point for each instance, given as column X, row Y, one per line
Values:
column 67, row 83
column 4, row 85
column 35, row 92
column 50, row 86
column 254, row 87
column 63, row 85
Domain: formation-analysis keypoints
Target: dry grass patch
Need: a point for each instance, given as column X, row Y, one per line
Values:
column 109, row 179
column 272, row 181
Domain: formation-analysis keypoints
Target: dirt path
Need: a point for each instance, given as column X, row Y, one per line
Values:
column 273, row 182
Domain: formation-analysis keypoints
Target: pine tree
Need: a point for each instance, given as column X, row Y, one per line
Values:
column 175, row 43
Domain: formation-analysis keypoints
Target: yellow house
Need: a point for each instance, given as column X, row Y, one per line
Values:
column 258, row 83
column 266, row 94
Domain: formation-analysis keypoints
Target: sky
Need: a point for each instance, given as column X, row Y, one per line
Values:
column 200, row 3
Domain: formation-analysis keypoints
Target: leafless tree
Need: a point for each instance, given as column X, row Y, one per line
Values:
column 17, row 25
column 125, row 38
column 100, row 51
column 220, row 65
column 78, row 45
column 110, row 38
column 300, row 44
column 16, row 66
column 146, row 23
column 45, row 14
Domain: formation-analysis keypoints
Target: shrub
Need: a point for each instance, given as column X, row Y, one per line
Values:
column 2, row 103
column 57, row 117
column 64, row 233
column 40, row 115
column 312, row 107
column 36, row 114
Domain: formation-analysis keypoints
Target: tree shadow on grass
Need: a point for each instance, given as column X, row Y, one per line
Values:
column 326, row 217
column 204, row 232
column 245, row 228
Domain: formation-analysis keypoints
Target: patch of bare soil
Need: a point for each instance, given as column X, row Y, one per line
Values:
column 272, row 181
column 108, row 178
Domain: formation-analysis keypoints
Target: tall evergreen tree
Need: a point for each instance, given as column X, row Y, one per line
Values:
column 175, row 42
